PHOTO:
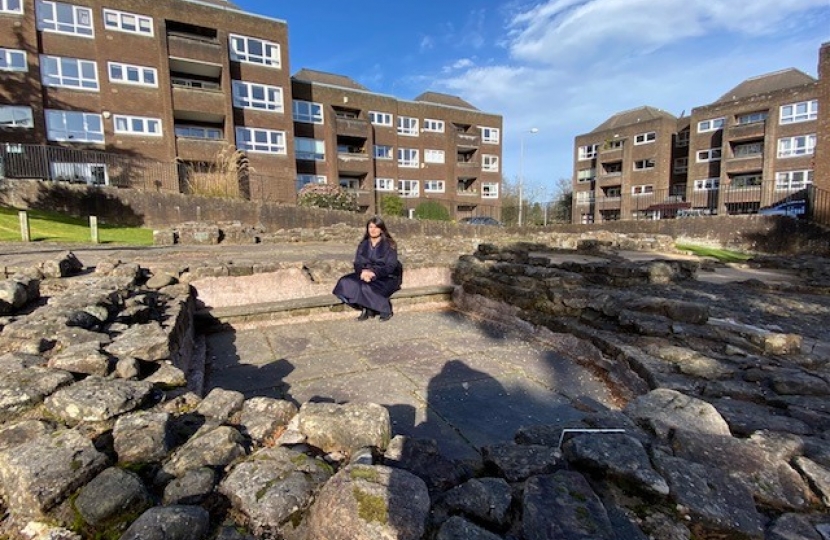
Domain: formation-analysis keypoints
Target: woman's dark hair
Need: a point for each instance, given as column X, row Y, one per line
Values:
column 380, row 224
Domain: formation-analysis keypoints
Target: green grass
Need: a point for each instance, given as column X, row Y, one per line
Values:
column 45, row 226
column 723, row 255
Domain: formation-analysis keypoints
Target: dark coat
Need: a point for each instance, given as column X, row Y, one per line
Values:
column 383, row 261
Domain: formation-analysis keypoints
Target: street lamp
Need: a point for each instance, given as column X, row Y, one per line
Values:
column 522, row 168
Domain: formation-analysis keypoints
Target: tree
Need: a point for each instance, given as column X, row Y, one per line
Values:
column 391, row 205
column 563, row 204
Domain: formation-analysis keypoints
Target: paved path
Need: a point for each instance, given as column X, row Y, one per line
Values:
column 441, row 375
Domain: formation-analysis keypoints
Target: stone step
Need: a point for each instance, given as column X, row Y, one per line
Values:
column 326, row 307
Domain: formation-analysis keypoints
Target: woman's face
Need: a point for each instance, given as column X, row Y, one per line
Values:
column 374, row 230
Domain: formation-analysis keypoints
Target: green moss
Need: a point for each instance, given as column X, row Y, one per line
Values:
column 75, row 465
column 364, row 473
column 264, row 489
column 371, row 507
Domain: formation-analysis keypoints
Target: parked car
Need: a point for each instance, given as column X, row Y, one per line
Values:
column 481, row 220
column 787, row 208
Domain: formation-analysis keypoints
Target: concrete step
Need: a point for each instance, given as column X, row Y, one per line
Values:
column 327, row 307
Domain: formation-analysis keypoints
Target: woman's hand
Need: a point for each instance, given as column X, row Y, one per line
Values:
column 367, row 275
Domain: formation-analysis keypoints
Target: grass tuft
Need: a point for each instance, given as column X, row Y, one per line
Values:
column 46, row 226
column 723, row 255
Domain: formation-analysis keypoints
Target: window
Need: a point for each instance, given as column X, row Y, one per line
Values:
column 408, row 188
column 682, row 139
column 309, row 149
column 380, row 118
column 408, row 126
column 408, row 157
column 129, row 74
column 489, row 163
column 681, row 165
column 713, row 154
column 489, row 190
column 612, row 192
column 642, row 190
column 612, row 169
column 799, row 112
column 64, row 18
column 490, row 135
column 615, row 144
column 257, row 96
column 751, row 149
column 349, row 183
column 306, row 179
column 643, row 164
column 12, row 116
column 586, row 175
column 710, row 125
column 584, row 197
column 69, row 72
column 435, row 126
column 588, row 151
column 254, row 51
column 433, row 156
column 385, row 184
column 199, row 132
column 74, row 126
column 13, row 60
column 128, row 22
column 708, row 184
column 796, row 146
column 742, row 181
column 793, row 180
column 643, row 138
column 75, row 172
column 266, row 141
column 308, row 112
column 383, row 151
column 433, row 186
column 751, row 118
column 137, row 125
column 11, row 6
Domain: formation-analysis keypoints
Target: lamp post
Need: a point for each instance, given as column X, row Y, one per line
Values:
column 522, row 168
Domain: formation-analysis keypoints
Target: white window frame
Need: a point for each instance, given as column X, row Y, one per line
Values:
column 408, row 158
column 62, row 132
column 588, row 151
column 385, row 184
column 119, row 21
column 642, row 189
column 711, row 124
column 408, row 126
column 792, row 113
column 434, row 156
column 584, row 197
column 490, row 135
column 240, row 46
column 261, row 141
column 7, row 57
column 64, row 64
column 309, row 149
column 644, row 164
column 383, row 151
column 489, row 190
column 707, row 184
column 743, row 177
column 306, row 179
column 141, row 73
column 80, row 25
column 5, row 6
column 434, row 186
column 751, row 118
column 198, row 132
column 682, row 139
column 244, row 96
column 785, row 181
column 489, row 163
column 379, row 118
column 800, row 145
column 26, row 120
column 433, row 126
column 409, row 189
column 586, row 175
column 136, row 125
column 645, row 138
column 680, row 166
column 349, row 183
column 711, row 154
column 79, row 171
column 308, row 112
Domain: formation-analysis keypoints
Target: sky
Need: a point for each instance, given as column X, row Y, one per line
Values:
column 561, row 67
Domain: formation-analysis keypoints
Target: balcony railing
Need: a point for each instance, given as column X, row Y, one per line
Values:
column 195, row 84
column 467, row 140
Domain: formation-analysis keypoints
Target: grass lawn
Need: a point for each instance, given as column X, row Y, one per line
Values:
column 723, row 255
column 45, row 226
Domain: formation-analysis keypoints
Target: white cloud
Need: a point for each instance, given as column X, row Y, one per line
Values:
column 427, row 43
column 461, row 63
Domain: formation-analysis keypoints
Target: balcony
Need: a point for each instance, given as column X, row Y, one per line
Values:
column 750, row 162
column 353, row 162
column 467, row 140
column 746, row 131
column 209, row 102
column 749, row 194
column 608, row 203
column 193, row 47
column 353, row 127
column 469, row 192
column 467, row 165
column 193, row 149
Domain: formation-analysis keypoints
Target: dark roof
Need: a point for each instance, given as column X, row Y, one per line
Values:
column 444, row 99
column 309, row 75
column 764, row 84
column 633, row 116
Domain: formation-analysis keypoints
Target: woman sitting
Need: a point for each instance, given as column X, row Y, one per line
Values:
column 377, row 274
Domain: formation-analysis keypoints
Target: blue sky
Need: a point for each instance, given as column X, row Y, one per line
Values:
column 561, row 66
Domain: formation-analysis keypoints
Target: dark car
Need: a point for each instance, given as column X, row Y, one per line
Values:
column 787, row 208
column 481, row 220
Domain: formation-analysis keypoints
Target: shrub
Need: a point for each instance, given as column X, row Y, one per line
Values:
column 432, row 210
column 224, row 176
column 329, row 196
column 391, row 205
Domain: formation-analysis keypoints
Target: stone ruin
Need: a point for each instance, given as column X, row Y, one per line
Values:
column 720, row 433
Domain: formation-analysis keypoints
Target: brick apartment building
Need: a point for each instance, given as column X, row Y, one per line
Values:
column 434, row 147
column 175, row 82
column 760, row 143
